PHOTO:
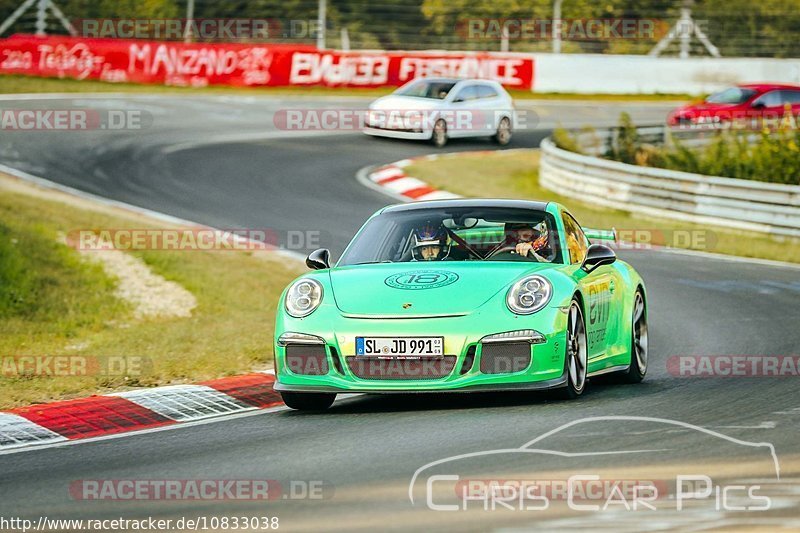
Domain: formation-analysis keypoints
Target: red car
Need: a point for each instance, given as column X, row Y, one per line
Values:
column 747, row 103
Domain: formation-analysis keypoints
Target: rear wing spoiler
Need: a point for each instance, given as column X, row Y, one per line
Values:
column 600, row 234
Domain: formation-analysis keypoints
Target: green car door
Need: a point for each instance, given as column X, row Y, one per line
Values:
column 603, row 291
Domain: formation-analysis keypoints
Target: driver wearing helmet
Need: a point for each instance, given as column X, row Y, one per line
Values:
column 430, row 243
column 530, row 241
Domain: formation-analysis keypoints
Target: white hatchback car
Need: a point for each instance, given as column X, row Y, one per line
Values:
column 437, row 109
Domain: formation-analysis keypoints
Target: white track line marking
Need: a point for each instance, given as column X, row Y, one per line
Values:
column 386, row 173
column 17, row 431
column 172, row 427
column 183, row 403
column 204, row 421
column 363, row 178
column 404, row 184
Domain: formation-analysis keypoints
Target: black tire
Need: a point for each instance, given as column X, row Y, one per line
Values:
column 639, row 348
column 308, row 401
column 503, row 134
column 439, row 133
column 576, row 355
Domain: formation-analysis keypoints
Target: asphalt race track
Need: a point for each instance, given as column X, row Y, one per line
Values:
column 221, row 161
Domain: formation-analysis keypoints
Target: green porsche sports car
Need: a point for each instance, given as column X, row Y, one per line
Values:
column 461, row 295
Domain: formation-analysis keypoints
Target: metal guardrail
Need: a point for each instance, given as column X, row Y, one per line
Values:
column 734, row 203
column 598, row 142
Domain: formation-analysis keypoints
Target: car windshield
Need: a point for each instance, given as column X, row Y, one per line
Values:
column 734, row 95
column 427, row 89
column 456, row 234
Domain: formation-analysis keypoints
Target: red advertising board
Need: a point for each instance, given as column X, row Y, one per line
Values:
column 200, row 64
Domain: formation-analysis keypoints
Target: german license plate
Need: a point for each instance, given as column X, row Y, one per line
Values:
column 400, row 346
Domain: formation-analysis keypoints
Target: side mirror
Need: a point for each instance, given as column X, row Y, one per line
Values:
column 458, row 100
column 319, row 259
column 598, row 255
column 758, row 105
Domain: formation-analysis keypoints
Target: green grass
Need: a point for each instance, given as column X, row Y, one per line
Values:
column 16, row 84
column 44, row 286
column 658, row 97
column 515, row 174
column 53, row 302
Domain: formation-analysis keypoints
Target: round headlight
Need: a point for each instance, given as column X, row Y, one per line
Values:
column 529, row 295
column 303, row 297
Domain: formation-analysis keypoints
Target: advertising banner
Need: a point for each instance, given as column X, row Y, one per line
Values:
column 238, row 64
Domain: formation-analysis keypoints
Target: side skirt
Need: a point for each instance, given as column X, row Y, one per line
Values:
column 608, row 370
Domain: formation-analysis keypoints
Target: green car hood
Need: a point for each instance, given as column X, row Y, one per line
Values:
column 431, row 289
